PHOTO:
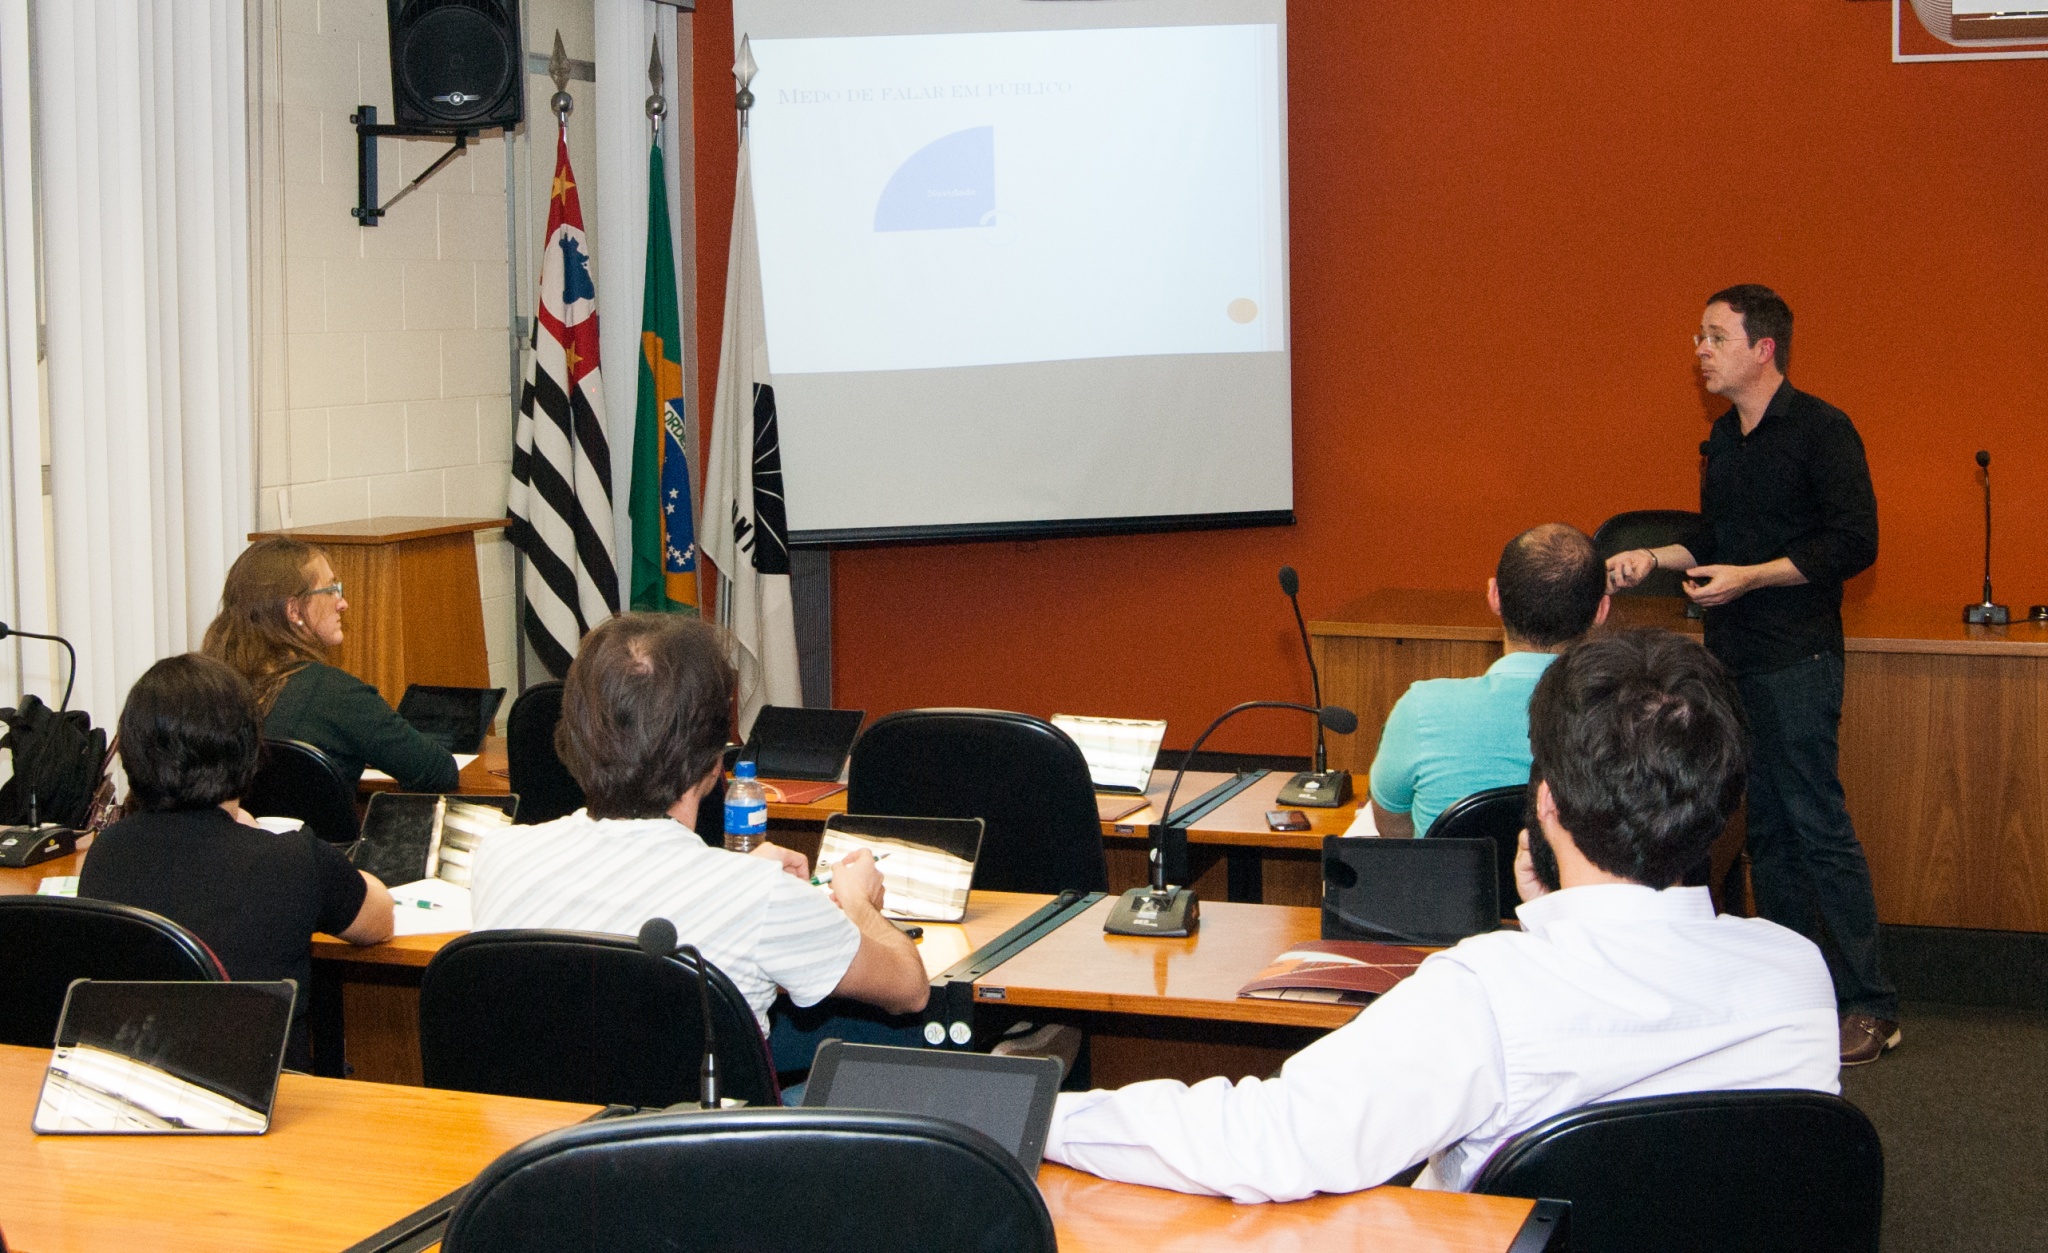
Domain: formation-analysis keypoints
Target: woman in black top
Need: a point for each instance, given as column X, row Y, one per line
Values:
column 280, row 611
column 189, row 741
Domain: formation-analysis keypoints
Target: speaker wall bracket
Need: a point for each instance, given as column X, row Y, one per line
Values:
column 367, row 210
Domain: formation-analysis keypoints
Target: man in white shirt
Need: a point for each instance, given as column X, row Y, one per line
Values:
column 1620, row 984
column 645, row 711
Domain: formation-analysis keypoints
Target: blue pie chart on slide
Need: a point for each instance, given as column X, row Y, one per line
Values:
column 947, row 184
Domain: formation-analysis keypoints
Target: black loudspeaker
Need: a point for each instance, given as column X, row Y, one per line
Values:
column 455, row 64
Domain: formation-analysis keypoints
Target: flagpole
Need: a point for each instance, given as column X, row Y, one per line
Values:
column 563, row 105
column 743, row 71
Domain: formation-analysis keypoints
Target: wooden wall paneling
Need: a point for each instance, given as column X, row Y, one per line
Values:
column 1946, row 769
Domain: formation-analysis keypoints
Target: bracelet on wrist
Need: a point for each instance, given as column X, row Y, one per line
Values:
column 1655, row 565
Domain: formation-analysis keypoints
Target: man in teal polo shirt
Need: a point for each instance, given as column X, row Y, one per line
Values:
column 1449, row 738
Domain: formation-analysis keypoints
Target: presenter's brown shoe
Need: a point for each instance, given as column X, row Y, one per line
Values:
column 1866, row 1037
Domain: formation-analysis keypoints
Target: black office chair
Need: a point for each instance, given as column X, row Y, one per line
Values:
column 297, row 780
column 1495, row 814
column 1020, row 775
column 574, row 1016
column 1796, row 1171
column 847, row 1181
column 51, row 940
column 547, row 790
column 1646, row 528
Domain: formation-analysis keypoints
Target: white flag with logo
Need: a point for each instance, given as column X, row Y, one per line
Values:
column 746, row 528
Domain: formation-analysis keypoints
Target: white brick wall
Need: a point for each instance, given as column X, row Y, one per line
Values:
column 385, row 354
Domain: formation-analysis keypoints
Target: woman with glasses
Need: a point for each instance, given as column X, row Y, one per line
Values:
column 280, row 611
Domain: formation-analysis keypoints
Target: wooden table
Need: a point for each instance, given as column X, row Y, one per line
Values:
column 1232, row 853
column 344, row 1160
column 1944, row 736
column 1093, row 1215
column 486, row 776
column 1157, row 1008
column 370, row 994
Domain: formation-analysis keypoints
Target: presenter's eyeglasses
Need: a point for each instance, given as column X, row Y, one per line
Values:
column 1715, row 341
column 334, row 587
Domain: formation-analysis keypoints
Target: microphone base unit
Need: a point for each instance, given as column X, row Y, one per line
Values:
column 1987, row 614
column 2039, row 613
column 1310, row 790
column 1159, row 913
column 31, row 846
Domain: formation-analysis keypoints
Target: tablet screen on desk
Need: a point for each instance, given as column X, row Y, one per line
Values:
column 456, row 718
column 1007, row 1099
column 166, row 1058
column 926, row 864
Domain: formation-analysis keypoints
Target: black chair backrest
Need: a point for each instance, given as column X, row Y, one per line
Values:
column 546, row 789
column 1646, row 528
column 1775, row 1169
column 297, row 780
column 847, row 1181
column 574, row 1016
column 1020, row 775
column 1494, row 814
column 51, row 940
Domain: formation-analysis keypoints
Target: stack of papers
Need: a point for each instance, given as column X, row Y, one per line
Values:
column 430, row 907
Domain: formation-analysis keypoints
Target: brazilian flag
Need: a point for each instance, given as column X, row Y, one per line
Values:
column 664, row 517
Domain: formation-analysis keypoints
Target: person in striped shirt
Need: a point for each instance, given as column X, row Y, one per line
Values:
column 645, row 712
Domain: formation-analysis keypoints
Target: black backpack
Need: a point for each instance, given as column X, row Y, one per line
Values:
column 59, row 759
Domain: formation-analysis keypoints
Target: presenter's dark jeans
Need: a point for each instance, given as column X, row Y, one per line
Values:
column 1806, row 864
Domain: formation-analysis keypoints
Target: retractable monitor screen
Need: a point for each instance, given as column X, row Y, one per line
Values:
column 456, row 718
column 166, row 1058
column 1007, row 1099
column 1023, row 265
column 926, row 864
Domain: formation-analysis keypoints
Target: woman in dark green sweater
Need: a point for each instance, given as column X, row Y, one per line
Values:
column 280, row 611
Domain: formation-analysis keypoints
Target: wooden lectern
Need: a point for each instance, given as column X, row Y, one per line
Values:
column 415, row 610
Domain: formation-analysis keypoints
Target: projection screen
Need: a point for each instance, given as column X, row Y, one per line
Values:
column 1024, row 264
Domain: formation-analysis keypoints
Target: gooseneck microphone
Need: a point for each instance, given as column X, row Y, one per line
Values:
column 72, row 678
column 658, row 939
column 1986, row 613
column 1166, row 910
column 1318, row 787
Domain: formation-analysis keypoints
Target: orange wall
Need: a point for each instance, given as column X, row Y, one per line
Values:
column 1504, row 219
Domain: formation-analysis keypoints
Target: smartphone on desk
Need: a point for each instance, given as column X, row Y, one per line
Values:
column 1286, row 820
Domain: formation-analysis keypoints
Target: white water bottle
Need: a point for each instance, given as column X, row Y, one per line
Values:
column 746, row 810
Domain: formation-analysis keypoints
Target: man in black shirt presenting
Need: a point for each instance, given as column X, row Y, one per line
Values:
column 1788, row 516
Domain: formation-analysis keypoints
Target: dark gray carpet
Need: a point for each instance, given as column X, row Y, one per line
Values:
column 1962, row 1109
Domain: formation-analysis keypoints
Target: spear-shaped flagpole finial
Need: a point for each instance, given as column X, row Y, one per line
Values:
column 558, row 69
column 743, row 71
column 657, row 102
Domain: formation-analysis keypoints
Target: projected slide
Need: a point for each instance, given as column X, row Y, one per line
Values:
column 950, row 200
